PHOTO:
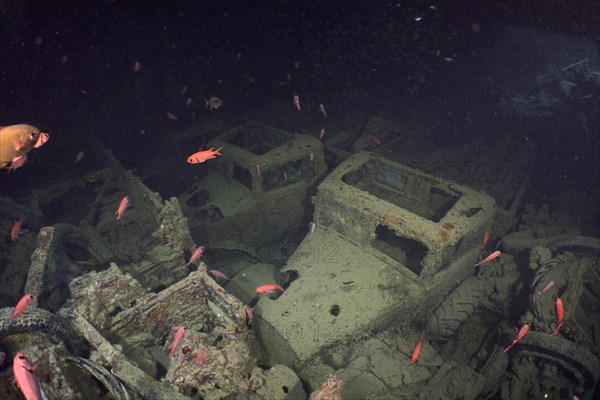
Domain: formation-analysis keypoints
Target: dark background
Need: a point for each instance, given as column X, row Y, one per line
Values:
column 67, row 66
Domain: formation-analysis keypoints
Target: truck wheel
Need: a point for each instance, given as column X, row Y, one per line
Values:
column 456, row 308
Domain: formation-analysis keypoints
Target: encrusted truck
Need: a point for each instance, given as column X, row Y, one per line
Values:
column 390, row 242
column 257, row 191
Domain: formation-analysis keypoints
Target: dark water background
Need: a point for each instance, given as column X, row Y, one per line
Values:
column 67, row 66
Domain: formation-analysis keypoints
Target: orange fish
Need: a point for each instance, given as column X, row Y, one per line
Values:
column 322, row 110
column 492, row 256
column 415, row 353
column 203, row 155
column 16, row 141
column 321, row 134
column 558, row 307
column 179, row 335
column 219, row 274
column 16, row 229
column 484, row 239
column 122, row 207
column 269, row 287
column 374, row 139
column 524, row 329
column 172, row 116
column 196, row 254
column 26, row 380
column 297, row 101
column 22, row 306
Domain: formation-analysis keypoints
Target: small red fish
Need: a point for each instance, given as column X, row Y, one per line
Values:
column 558, row 307
column 249, row 313
column 269, row 287
column 122, row 207
column 321, row 134
column 179, row 336
column 136, row 66
column 219, row 274
column 297, row 101
column 203, row 155
column 26, row 380
column 312, row 227
column 374, row 139
column 415, row 353
column 522, row 332
column 22, row 306
column 322, row 110
column 183, row 89
column 492, row 256
column 196, row 254
column 484, row 239
column 547, row 287
column 172, row 116
column 16, row 229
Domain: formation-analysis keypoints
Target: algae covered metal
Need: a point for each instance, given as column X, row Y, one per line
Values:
column 390, row 242
column 257, row 190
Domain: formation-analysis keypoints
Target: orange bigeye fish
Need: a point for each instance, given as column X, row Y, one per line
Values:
column 203, row 155
column 122, row 207
column 414, row 356
column 489, row 258
column 558, row 307
column 16, row 141
column 522, row 332
column 22, row 306
column 26, row 380
column 269, row 287
column 297, row 101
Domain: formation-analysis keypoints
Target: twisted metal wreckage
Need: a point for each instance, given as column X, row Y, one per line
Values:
column 110, row 296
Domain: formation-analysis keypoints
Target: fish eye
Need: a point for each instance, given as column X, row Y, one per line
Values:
column 33, row 135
